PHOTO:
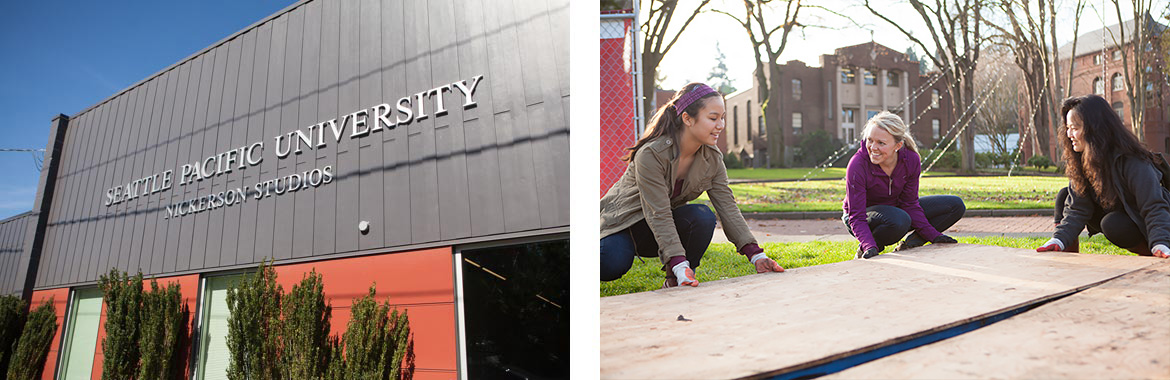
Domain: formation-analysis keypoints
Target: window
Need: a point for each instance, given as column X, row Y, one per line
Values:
column 735, row 125
column 1098, row 86
column 934, row 98
column 870, row 115
column 760, row 123
column 934, row 128
column 516, row 310
column 1118, row 82
column 847, row 75
column 892, row 79
column 870, row 79
column 85, row 311
column 1149, row 87
column 1117, row 55
column 1119, row 108
column 748, row 120
column 1097, row 59
column 796, row 91
column 213, row 328
column 847, row 115
column 797, row 123
column 829, row 99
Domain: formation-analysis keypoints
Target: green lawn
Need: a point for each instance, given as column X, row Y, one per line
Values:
column 722, row 262
column 797, row 173
column 979, row 193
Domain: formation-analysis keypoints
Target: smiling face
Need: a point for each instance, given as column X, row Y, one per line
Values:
column 882, row 147
column 1075, row 131
column 708, row 123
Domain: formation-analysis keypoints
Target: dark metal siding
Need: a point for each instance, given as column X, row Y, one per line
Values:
column 13, row 231
column 498, row 168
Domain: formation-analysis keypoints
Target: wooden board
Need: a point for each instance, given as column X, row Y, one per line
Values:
column 1120, row 329
column 763, row 323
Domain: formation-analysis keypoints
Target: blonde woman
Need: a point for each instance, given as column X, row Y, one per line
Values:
column 881, row 196
column 646, row 213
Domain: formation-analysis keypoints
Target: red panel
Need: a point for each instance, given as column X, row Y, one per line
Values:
column 617, row 106
column 434, row 375
column 421, row 282
column 433, row 329
column 60, row 300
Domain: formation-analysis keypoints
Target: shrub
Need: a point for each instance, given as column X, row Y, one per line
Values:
column 162, row 328
column 949, row 160
column 375, row 340
column 731, row 161
column 254, row 325
column 305, row 334
column 1040, row 162
column 815, row 147
column 28, row 358
column 122, row 295
column 12, row 314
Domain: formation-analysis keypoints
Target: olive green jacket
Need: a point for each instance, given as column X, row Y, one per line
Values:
column 644, row 191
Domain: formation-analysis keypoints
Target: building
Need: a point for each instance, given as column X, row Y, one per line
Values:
column 1098, row 68
column 851, row 85
column 421, row 146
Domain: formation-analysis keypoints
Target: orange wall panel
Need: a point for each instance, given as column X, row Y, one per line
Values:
column 60, row 299
column 420, row 282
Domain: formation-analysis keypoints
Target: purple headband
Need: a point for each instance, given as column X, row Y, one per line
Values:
column 685, row 101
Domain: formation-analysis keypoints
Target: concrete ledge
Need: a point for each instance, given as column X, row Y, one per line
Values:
column 796, row 215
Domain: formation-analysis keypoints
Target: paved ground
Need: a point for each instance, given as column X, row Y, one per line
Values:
column 774, row 230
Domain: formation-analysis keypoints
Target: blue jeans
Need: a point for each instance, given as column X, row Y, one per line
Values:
column 695, row 224
column 889, row 223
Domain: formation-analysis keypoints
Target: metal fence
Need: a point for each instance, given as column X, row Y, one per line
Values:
column 621, row 114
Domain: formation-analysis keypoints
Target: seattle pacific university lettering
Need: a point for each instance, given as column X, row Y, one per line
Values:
column 357, row 124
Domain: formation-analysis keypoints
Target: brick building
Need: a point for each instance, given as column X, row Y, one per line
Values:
column 851, row 85
column 1098, row 68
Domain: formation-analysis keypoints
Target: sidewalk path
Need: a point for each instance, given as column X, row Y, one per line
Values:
column 778, row 230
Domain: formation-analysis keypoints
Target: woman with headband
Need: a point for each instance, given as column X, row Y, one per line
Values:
column 881, row 192
column 646, row 212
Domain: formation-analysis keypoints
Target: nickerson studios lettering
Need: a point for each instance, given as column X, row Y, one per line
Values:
column 354, row 125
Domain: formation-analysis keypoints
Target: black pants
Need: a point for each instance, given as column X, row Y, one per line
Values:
column 889, row 223
column 1117, row 226
column 695, row 224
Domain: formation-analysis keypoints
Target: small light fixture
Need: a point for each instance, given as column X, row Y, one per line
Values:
column 364, row 227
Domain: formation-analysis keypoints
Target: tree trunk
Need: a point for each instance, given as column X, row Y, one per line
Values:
column 649, row 73
column 772, row 117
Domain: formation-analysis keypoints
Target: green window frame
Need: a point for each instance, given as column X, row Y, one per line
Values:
column 81, row 334
column 213, row 328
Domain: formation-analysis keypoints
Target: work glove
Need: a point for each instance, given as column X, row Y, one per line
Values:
column 868, row 253
column 1053, row 244
column 765, row 264
column 684, row 274
column 944, row 239
column 1161, row 250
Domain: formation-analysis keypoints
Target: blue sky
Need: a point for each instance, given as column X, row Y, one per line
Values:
column 60, row 57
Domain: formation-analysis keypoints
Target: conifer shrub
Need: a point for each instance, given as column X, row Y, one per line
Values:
column 12, row 315
column 305, row 342
column 254, row 326
column 28, row 357
column 162, row 329
column 375, row 340
column 122, row 295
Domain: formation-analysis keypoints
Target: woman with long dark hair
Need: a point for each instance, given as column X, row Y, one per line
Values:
column 1114, row 186
column 881, row 192
column 646, row 212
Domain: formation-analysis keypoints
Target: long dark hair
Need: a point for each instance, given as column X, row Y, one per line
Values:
column 1104, row 136
column 667, row 121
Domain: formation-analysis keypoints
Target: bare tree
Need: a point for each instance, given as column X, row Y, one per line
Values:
column 954, row 27
column 658, row 38
column 1136, row 77
column 1029, row 33
column 999, row 117
column 767, row 52
column 1080, row 7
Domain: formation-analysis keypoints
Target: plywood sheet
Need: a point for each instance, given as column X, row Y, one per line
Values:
column 1117, row 330
column 762, row 323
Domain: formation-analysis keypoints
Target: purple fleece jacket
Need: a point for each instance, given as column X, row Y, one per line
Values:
column 867, row 185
